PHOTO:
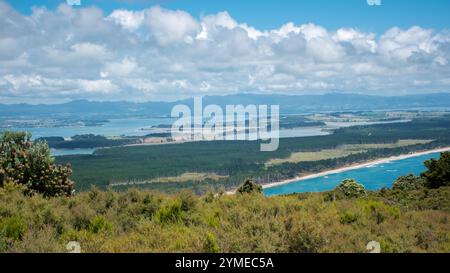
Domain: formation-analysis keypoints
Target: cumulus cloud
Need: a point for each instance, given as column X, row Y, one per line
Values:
column 156, row 53
column 169, row 27
column 129, row 20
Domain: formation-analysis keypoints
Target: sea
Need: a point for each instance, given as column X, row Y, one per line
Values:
column 373, row 177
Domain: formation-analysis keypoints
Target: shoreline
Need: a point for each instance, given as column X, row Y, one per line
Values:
column 355, row 166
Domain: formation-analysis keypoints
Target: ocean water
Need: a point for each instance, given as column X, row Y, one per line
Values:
column 115, row 127
column 80, row 151
column 373, row 177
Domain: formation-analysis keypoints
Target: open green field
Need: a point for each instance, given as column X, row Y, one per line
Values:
column 237, row 160
column 185, row 177
column 343, row 151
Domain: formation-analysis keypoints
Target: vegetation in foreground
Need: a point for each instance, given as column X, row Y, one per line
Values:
column 413, row 216
column 143, row 221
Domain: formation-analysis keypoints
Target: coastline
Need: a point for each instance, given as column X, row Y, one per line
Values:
column 355, row 166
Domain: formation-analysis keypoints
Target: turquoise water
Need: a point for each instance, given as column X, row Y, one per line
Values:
column 373, row 177
column 81, row 151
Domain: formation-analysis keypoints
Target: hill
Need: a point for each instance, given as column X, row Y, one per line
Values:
column 288, row 105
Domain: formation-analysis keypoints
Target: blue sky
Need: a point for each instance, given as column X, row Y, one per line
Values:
column 270, row 14
column 165, row 50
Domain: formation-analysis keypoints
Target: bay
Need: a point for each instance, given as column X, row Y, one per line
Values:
column 373, row 177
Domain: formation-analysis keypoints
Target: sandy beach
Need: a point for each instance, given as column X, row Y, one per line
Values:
column 356, row 166
column 351, row 167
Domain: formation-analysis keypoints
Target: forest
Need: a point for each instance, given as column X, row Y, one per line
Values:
column 237, row 160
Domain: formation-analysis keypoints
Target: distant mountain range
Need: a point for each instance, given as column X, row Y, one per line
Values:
column 288, row 105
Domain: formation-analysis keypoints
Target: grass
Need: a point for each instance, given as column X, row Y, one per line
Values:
column 399, row 143
column 342, row 151
column 298, row 157
column 185, row 177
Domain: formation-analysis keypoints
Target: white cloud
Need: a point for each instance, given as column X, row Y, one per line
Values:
column 129, row 20
column 88, row 50
column 212, row 25
column 23, row 81
column 124, row 68
column 169, row 26
column 158, row 53
column 98, row 86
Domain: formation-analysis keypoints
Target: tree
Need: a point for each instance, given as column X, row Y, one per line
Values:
column 408, row 183
column 350, row 188
column 438, row 173
column 31, row 165
column 249, row 187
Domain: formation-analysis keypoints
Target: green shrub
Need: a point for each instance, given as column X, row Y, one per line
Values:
column 149, row 206
column 209, row 196
column 349, row 218
column 438, row 173
column 379, row 211
column 99, row 224
column 351, row 189
column 249, row 187
column 187, row 200
column 81, row 215
column 12, row 228
column 408, row 183
column 305, row 238
column 210, row 245
column 170, row 213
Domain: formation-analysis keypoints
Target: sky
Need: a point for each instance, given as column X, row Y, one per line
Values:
column 54, row 51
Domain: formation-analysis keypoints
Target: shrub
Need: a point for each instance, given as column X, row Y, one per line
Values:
column 348, row 218
column 81, row 215
column 438, row 173
column 209, row 196
column 306, row 238
column 99, row 224
column 351, row 189
column 249, row 187
column 210, row 245
column 30, row 164
column 380, row 211
column 187, row 201
column 170, row 213
column 149, row 206
column 12, row 228
column 408, row 183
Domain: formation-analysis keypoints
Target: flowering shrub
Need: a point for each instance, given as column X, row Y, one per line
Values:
column 31, row 165
column 351, row 188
